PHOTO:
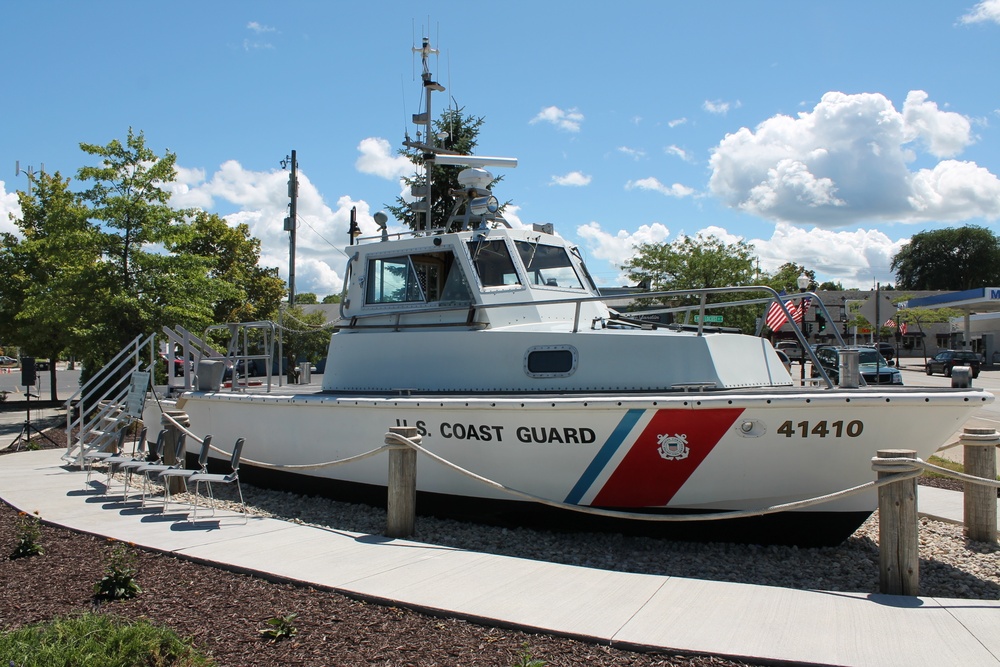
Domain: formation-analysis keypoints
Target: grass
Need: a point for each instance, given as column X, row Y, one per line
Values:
column 945, row 463
column 97, row 640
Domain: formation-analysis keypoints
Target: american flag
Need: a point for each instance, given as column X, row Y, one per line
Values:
column 775, row 317
column 892, row 325
column 800, row 313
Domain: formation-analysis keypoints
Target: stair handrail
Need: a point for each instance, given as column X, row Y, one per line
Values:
column 129, row 354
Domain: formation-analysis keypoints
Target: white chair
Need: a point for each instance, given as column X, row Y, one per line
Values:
column 129, row 467
column 113, row 463
column 151, row 470
column 100, row 457
column 183, row 473
column 230, row 478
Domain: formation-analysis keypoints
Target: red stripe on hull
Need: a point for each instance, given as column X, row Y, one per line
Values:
column 645, row 478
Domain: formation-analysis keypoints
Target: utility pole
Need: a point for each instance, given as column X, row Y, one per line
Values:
column 29, row 172
column 290, row 222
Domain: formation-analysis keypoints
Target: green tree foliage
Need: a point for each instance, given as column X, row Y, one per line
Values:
column 787, row 278
column 140, row 288
column 949, row 259
column 331, row 298
column 831, row 286
column 694, row 263
column 247, row 292
column 306, row 298
column 462, row 132
column 49, row 272
column 305, row 337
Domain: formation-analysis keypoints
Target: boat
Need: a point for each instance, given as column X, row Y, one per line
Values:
column 497, row 346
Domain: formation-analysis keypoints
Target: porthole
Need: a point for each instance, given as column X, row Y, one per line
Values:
column 550, row 361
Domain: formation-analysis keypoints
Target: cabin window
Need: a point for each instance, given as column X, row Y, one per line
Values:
column 392, row 280
column 548, row 266
column 423, row 277
column 493, row 263
column 550, row 361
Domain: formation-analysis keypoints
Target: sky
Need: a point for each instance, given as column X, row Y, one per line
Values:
column 822, row 133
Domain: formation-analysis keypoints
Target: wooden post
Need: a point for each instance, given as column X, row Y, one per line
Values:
column 898, row 552
column 980, row 456
column 170, row 453
column 402, row 486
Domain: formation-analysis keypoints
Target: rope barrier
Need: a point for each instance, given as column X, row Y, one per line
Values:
column 903, row 469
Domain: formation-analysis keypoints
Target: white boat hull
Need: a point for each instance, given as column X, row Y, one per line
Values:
column 682, row 452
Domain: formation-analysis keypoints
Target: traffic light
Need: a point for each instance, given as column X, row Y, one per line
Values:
column 820, row 322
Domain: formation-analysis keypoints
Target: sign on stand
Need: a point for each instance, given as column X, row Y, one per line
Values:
column 135, row 401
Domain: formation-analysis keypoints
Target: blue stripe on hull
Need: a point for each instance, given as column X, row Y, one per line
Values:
column 608, row 450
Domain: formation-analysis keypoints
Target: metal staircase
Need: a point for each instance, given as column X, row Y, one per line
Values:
column 113, row 397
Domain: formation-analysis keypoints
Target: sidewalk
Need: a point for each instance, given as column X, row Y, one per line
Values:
column 628, row 610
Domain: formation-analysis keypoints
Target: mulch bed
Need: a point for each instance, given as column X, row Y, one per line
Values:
column 222, row 612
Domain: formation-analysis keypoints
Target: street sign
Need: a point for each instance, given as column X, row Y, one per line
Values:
column 715, row 319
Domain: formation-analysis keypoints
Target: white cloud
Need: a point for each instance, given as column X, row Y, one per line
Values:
column 854, row 258
column 678, row 151
column 675, row 190
column 569, row 120
column 259, row 28
column 8, row 206
column 719, row 107
column 378, row 158
column 573, row 178
column 846, row 162
column 676, row 122
column 620, row 247
column 634, row 153
column 987, row 10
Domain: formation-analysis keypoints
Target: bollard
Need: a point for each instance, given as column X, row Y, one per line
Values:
column 980, row 457
column 170, row 455
column 961, row 377
column 898, row 546
column 401, row 506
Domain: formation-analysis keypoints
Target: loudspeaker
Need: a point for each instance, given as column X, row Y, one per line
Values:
column 27, row 371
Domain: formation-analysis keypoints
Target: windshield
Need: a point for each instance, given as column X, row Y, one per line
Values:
column 869, row 356
column 548, row 265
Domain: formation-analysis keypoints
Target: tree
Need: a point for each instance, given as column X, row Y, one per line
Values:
column 306, row 298
column 331, row 298
column 460, row 133
column 46, row 294
column 831, row 286
column 139, row 288
column 694, row 263
column 305, row 337
column 949, row 259
column 247, row 291
column 787, row 278
column 922, row 316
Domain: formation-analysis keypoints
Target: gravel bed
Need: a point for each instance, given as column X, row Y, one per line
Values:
column 950, row 564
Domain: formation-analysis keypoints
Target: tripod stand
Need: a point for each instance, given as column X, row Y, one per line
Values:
column 25, row 434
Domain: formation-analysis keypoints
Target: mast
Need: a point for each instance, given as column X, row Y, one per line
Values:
column 426, row 119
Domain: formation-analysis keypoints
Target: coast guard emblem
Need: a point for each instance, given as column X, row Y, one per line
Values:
column 673, row 448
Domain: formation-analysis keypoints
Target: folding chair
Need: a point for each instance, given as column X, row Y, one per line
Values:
column 209, row 478
column 114, row 462
column 151, row 470
column 129, row 467
column 182, row 473
column 100, row 457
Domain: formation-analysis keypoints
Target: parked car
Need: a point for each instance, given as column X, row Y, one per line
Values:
column 790, row 348
column 176, row 363
column 42, row 364
column 8, row 361
column 887, row 350
column 874, row 368
column 944, row 361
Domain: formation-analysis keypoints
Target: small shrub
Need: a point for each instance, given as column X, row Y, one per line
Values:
column 28, row 537
column 97, row 639
column 280, row 627
column 118, row 582
column 525, row 659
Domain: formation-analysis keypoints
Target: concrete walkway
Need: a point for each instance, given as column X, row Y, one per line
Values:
column 756, row 623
